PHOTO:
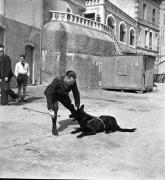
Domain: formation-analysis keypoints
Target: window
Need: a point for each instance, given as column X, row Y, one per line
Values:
column 111, row 22
column 153, row 16
column 150, row 40
column 132, row 37
column 98, row 19
column 122, row 32
column 156, row 41
column 146, row 38
column 144, row 11
column 90, row 16
column 164, row 20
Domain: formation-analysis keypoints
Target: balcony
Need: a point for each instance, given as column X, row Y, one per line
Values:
column 82, row 21
column 79, row 20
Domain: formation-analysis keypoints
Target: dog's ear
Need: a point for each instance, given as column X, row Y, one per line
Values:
column 82, row 107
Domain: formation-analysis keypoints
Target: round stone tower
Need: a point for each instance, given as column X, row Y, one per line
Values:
column 71, row 46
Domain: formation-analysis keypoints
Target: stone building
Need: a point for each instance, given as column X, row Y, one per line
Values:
column 146, row 13
column 71, row 41
column 161, row 63
column 148, row 28
column 76, row 34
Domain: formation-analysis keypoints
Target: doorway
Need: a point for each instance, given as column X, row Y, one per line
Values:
column 29, row 52
column 1, row 35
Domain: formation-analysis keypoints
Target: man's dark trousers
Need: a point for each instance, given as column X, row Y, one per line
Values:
column 5, row 91
column 4, row 95
column 52, row 103
column 22, row 81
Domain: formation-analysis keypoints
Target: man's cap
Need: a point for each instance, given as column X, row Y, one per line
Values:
column 71, row 74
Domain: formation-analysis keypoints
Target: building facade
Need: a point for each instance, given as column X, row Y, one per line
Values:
column 72, row 41
column 68, row 30
column 20, row 32
column 161, row 63
column 123, row 25
column 148, row 28
column 146, row 13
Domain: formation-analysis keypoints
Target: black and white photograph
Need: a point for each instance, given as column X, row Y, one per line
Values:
column 82, row 89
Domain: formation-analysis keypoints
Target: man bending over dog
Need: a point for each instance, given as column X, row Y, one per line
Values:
column 59, row 90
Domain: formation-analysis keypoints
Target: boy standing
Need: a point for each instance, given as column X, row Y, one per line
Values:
column 22, row 73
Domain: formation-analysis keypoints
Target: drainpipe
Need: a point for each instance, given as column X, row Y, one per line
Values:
column 41, row 28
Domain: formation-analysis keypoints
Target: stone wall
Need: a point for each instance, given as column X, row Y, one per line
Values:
column 87, row 68
column 70, row 46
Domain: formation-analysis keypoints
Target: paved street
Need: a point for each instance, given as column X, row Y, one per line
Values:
column 28, row 150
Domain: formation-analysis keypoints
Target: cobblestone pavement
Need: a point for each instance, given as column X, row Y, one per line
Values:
column 28, row 150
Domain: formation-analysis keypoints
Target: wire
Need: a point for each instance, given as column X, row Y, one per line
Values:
column 31, row 141
column 38, row 111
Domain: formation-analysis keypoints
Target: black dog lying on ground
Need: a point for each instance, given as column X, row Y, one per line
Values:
column 90, row 125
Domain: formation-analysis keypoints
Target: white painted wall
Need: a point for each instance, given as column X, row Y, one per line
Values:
column 25, row 11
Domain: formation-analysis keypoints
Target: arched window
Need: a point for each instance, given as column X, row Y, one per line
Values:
column 123, row 29
column 153, row 16
column 111, row 22
column 132, row 37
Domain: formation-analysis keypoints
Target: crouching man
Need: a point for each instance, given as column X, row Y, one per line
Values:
column 58, row 90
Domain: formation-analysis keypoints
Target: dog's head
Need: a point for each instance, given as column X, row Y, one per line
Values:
column 79, row 115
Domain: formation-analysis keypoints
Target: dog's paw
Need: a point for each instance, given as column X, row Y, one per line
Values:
column 55, row 132
column 107, row 132
column 79, row 136
column 73, row 132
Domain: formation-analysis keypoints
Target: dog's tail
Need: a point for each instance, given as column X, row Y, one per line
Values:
column 126, row 130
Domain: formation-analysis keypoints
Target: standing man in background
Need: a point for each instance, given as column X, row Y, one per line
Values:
column 5, row 76
column 22, row 73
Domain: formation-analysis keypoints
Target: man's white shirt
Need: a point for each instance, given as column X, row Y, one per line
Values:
column 20, row 69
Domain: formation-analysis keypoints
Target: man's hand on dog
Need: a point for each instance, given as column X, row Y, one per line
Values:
column 77, row 106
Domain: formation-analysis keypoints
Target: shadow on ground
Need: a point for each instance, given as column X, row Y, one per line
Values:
column 65, row 123
column 28, row 100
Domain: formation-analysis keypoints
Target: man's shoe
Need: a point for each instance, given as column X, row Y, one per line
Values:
column 55, row 132
column 17, row 100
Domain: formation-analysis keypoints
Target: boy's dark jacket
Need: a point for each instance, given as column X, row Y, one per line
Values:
column 56, row 87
